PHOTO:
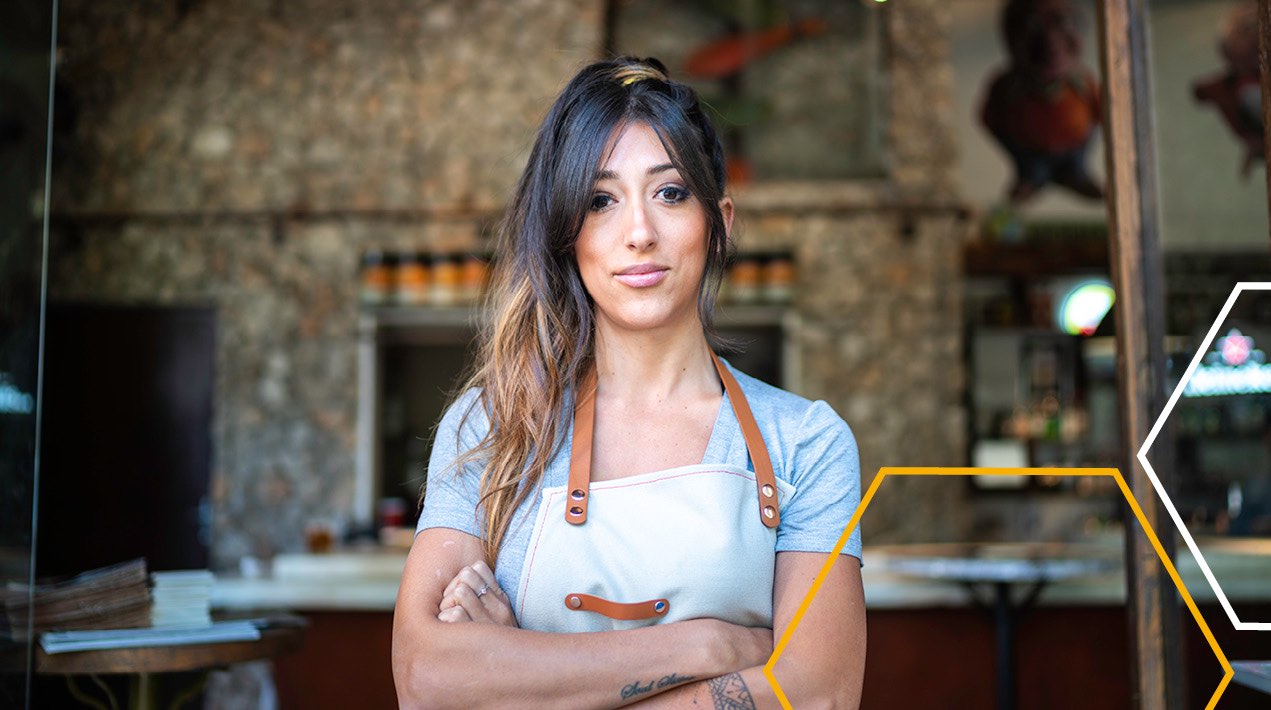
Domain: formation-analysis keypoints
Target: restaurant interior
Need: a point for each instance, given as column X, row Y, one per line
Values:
column 244, row 248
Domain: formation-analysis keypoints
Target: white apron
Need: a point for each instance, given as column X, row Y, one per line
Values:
column 688, row 542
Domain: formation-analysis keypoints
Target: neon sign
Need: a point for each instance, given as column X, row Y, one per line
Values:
column 12, row 399
column 1084, row 306
column 1234, row 366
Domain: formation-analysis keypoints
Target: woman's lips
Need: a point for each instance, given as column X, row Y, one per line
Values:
column 642, row 276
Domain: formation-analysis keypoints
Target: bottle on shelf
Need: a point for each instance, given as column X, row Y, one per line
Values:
column 445, row 280
column 413, row 280
column 376, row 278
column 473, row 276
column 778, row 279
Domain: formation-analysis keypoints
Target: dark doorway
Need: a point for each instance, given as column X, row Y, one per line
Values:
column 127, row 436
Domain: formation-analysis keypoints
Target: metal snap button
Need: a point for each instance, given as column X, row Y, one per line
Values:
column 576, row 510
column 574, row 602
column 767, row 491
column 577, row 494
column 659, row 607
column 769, row 512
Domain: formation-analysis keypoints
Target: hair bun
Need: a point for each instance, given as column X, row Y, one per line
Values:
column 630, row 70
column 656, row 64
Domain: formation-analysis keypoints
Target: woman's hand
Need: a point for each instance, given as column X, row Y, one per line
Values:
column 743, row 646
column 474, row 595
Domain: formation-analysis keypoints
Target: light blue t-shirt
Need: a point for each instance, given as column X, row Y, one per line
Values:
column 810, row 446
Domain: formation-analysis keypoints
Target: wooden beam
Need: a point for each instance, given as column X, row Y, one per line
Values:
column 1137, row 272
column 1264, row 66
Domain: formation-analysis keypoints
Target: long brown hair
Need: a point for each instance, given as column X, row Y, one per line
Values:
column 539, row 341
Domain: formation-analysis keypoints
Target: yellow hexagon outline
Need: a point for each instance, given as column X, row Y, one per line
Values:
column 886, row 471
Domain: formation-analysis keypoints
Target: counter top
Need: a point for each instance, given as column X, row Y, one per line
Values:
column 368, row 580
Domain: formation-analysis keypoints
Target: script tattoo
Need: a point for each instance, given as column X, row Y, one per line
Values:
column 729, row 692
column 631, row 690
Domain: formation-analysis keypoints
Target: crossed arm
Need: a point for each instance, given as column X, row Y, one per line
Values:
column 441, row 661
column 824, row 662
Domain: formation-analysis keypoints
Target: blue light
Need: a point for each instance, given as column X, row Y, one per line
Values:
column 12, row 399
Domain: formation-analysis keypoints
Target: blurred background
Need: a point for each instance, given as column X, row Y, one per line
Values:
column 236, row 308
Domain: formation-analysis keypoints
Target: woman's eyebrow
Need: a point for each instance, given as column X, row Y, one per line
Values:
column 611, row 175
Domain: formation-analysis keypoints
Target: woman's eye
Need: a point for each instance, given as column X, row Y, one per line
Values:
column 599, row 202
column 673, row 194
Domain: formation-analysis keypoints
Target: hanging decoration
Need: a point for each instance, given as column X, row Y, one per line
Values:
column 1043, row 109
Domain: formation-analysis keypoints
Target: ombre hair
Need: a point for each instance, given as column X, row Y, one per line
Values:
column 539, row 341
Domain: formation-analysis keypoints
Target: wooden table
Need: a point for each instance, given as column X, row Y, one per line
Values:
column 143, row 663
column 1000, row 567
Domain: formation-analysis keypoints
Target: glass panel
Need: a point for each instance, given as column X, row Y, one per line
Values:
column 1207, row 111
column 25, row 31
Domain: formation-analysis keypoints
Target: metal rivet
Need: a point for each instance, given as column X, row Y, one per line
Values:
column 577, row 494
column 575, row 602
column 659, row 607
column 576, row 510
column 767, row 490
column 769, row 512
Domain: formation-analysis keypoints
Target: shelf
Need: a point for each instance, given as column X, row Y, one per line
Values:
column 1029, row 260
column 453, row 318
column 444, row 317
column 751, row 316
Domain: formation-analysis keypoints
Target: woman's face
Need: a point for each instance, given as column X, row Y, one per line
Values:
column 642, row 249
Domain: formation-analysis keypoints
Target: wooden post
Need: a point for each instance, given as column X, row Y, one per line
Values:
column 1137, row 271
column 1264, row 67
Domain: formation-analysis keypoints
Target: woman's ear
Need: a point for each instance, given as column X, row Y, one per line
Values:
column 726, row 209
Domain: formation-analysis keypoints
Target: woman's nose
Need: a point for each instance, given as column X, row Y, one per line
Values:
column 640, row 235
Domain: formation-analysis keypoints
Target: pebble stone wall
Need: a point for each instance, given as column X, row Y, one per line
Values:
column 190, row 130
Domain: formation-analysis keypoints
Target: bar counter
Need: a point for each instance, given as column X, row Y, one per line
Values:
column 1070, row 645
column 366, row 580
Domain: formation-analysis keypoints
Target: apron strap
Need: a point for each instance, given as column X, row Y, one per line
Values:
column 584, row 426
column 633, row 611
column 580, row 451
column 765, row 480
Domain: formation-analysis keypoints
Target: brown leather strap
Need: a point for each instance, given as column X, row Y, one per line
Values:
column 617, row 610
column 580, row 451
column 765, row 480
column 585, row 422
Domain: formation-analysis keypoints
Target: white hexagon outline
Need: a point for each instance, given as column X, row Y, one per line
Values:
column 1156, row 482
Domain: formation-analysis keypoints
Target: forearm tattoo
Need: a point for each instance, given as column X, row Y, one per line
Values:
column 637, row 688
column 729, row 692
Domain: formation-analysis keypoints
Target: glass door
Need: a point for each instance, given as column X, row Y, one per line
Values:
column 26, row 51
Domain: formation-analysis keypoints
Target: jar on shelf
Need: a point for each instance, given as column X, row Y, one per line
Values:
column 413, row 279
column 376, row 278
column 745, row 279
column 472, row 277
column 778, row 279
column 445, row 280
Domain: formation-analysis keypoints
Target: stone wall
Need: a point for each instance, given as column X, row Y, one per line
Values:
column 245, row 154
column 192, row 132
column 880, row 339
column 248, row 104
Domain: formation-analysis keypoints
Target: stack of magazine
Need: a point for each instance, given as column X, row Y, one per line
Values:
column 182, row 598
column 113, row 607
column 112, row 597
column 217, row 632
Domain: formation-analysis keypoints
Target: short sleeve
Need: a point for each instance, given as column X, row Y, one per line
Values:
column 826, row 472
column 450, row 500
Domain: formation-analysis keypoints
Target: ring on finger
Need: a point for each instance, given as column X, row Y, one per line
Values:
column 481, row 592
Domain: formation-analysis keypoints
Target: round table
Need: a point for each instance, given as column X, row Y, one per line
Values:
column 1253, row 674
column 143, row 663
column 999, row 567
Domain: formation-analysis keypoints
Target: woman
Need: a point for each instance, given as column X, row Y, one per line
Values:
column 604, row 471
